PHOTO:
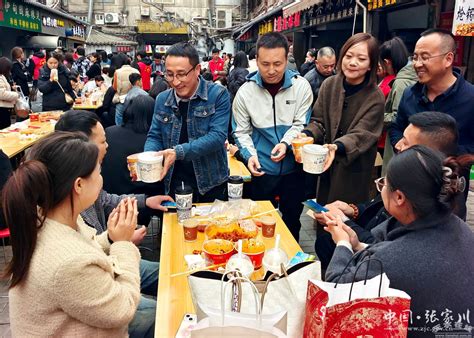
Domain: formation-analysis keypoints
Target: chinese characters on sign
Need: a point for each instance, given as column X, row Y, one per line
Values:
column 19, row 15
column 265, row 28
column 374, row 4
column 52, row 22
column 463, row 23
column 124, row 49
column 282, row 24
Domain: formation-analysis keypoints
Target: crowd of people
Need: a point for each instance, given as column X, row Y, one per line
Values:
column 75, row 229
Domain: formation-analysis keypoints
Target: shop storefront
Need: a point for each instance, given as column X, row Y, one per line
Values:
column 403, row 18
column 17, row 20
column 317, row 23
column 75, row 34
column 161, row 34
column 100, row 41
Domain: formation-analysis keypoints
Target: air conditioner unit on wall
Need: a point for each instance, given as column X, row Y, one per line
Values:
column 145, row 10
column 223, row 18
column 111, row 18
column 99, row 19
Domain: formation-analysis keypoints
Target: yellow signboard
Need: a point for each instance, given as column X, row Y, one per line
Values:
column 265, row 28
column 161, row 27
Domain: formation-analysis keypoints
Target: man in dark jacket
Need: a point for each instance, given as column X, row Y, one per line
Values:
column 5, row 171
column 324, row 68
column 432, row 129
column 439, row 88
column 309, row 63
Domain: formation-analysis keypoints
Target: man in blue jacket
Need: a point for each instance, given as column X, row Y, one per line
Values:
column 269, row 111
column 190, row 126
column 439, row 88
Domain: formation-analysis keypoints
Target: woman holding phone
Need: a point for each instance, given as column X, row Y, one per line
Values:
column 64, row 279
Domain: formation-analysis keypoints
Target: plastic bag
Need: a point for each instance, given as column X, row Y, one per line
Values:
column 22, row 106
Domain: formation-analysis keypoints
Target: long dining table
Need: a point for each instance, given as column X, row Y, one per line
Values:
column 174, row 297
column 14, row 141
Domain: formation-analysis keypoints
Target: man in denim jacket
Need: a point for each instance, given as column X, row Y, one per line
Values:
column 189, row 128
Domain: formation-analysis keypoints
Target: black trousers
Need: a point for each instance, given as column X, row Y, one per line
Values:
column 290, row 190
column 5, row 117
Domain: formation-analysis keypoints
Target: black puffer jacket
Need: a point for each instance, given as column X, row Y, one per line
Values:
column 53, row 96
column 236, row 78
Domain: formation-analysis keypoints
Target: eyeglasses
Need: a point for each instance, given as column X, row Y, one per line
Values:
column 380, row 183
column 424, row 58
column 180, row 77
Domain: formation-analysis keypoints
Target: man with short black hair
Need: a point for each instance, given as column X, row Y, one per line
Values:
column 216, row 65
column 308, row 62
column 435, row 130
column 144, row 66
column 189, row 128
column 269, row 111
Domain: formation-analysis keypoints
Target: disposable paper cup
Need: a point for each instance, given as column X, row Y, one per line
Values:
column 314, row 157
column 190, row 229
column 184, row 202
column 268, row 226
column 150, row 166
column 298, row 144
column 132, row 164
column 235, row 187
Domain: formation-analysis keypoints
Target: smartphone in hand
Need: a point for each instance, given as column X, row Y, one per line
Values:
column 315, row 206
column 169, row 204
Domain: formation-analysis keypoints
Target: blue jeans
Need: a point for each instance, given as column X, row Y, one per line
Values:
column 119, row 107
column 143, row 324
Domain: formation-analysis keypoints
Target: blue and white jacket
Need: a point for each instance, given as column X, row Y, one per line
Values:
column 261, row 121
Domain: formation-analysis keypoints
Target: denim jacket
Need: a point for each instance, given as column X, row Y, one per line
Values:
column 208, row 120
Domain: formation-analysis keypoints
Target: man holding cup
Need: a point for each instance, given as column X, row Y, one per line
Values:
column 189, row 128
column 269, row 111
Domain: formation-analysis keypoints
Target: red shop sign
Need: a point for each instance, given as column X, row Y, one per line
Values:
column 124, row 49
column 282, row 24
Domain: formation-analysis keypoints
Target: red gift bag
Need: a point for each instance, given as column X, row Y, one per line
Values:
column 367, row 308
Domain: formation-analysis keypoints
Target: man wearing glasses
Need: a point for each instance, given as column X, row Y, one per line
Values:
column 439, row 88
column 189, row 128
column 435, row 130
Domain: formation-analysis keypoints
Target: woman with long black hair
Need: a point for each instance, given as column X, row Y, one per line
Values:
column 424, row 248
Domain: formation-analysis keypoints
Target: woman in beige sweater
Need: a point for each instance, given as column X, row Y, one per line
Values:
column 8, row 97
column 65, row 280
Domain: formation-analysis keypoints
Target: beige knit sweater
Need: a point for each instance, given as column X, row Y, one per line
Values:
column 78, row 285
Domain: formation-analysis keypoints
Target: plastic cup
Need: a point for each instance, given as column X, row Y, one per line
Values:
column 184, row 202
column 150, row 166
column 268, row 226
column 314, row 157
column 298, row 144
column 132, row 164
column 190, row 229
column 235, row 187
column 273, row 259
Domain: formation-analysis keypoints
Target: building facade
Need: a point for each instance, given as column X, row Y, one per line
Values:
column 156, row 24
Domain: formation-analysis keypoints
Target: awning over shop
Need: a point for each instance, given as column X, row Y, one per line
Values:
column 99, row 38
column 244, row 28
column 299, row 6
column 46, row 42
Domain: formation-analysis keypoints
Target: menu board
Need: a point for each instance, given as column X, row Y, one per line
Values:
column 463, row 21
